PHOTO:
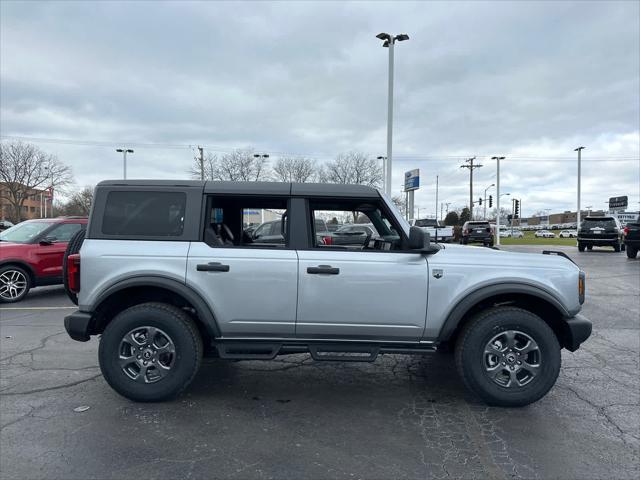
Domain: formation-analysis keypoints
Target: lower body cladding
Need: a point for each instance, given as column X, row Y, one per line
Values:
column 506, row 355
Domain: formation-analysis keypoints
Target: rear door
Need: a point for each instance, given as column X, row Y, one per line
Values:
column 375, row 291
column 250, row 286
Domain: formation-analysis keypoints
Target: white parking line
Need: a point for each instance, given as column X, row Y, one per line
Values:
column 35, row 308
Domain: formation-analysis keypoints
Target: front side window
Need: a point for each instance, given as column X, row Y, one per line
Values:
column 144, row 214
column 364, row 226
column 64, row 232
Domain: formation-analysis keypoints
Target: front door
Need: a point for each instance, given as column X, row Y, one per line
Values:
column 364, row 289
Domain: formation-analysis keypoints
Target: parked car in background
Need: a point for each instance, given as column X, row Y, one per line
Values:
column 332, row 227
column 632, row 239
column 4, row 224
column 437, row 231
column 600, row 232
column 568, row 234
column 31, row 254
column 508, row 233
column 477, row 232
column 356, row 234
column 272, row 232
column 545, row 234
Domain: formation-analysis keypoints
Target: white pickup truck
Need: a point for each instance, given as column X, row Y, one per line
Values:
column 437, row 231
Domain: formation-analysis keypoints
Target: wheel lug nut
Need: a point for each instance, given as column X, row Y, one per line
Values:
column 511, row 367
column 145, row 362
column 504, row 363
column 138, row 357
column 519, row 363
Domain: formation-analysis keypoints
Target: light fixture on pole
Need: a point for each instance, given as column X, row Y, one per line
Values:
column 389, row 42
column 124, row 152
column 384, row 172
column 497, row 159
column 579, row 150
column 485, row 199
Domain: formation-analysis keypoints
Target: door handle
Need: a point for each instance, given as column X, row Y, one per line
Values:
column 212, row 267
column 326, row 269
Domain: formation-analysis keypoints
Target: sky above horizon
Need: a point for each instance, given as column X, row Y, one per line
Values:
column 528, row 80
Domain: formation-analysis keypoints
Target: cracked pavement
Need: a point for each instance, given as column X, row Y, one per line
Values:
column 400, row 417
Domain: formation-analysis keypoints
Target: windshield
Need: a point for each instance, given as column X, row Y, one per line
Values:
column 24, row 232
column 396, row 213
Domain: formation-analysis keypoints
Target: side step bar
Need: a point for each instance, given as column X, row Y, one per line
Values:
column 336, row 352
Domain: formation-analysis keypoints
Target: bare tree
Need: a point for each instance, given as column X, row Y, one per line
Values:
column 353, row 168
column 78, row 204
column 25, row 168
column 294, row 169
column 399, row 202
column 237, row 166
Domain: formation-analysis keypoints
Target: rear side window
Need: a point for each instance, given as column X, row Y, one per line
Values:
column 144, row 213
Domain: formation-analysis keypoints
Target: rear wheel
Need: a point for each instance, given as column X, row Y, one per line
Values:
column 150, row 352
column 589, row 247
column 632, row 251
column 508, row 356
column 581, row 247
column 616, row 247
column 15, row 283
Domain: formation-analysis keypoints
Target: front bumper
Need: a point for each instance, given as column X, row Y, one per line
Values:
column 78, row 325
column 578, row 329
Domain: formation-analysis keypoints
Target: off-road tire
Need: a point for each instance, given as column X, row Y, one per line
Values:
column 631, row 251
column 178, row 326
column 470, row 359
column 73, row 247
column 21, row 273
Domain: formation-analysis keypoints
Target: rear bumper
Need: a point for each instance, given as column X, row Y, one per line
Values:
column 78, row 325
column 577, row 331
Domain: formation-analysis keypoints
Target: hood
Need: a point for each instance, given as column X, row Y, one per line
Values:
column 483, row 256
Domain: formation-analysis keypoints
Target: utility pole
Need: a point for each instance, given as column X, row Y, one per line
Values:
column 389, row 42
column 470, row 166
column 579, row 150
column 497, row 159
column 201, row 150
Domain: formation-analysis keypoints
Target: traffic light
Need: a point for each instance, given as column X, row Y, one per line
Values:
column 490, row 201
column 480, row 201
column 517, row 209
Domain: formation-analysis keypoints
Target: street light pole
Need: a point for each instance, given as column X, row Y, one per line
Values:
column 389, row 42
column 497, row 159
column 485, row 199
column 579, row 150
column 124, row 152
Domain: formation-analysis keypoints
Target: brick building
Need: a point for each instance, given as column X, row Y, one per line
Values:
column 36, row 204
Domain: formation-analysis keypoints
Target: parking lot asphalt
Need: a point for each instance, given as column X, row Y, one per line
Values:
column 400, row 417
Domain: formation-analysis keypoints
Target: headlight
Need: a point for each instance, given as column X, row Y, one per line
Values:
column 581, row 287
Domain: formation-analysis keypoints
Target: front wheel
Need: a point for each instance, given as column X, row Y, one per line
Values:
column 14, row 284
column 150, row 352
column 508, row 356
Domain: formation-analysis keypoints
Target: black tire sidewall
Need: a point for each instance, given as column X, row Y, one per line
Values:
column 631, row 251
column 174, row 323
column 470, row 358
column 6, row 268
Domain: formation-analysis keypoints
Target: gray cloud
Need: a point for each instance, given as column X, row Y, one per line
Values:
column 528, row 79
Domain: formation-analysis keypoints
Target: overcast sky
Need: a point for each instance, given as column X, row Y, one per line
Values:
column 529, row 80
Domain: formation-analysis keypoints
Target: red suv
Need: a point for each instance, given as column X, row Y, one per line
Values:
column 31, row 254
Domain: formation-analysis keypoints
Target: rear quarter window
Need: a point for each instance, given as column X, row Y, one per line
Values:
column 144, row 213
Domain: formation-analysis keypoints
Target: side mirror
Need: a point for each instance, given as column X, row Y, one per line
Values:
column 418, row 239
column 47, row 240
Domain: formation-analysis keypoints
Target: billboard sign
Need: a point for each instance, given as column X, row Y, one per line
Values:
column 618, row 202
column 412, row 180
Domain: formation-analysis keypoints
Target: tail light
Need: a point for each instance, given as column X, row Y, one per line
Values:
column 581, row 287
column 327, row 240
column 626, row 231
column 73, row 272
column 466, row 232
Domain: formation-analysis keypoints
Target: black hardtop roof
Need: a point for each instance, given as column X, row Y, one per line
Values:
column 256, row 188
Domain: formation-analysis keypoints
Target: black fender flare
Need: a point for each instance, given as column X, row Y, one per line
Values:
column 202, row 308
column 457, row 313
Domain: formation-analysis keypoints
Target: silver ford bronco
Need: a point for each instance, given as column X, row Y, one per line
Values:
column 170, row 271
